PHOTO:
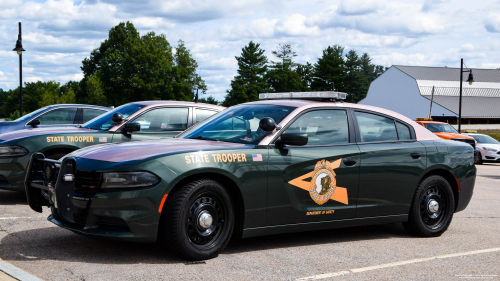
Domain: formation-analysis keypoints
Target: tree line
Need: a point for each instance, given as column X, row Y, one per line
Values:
column 128, row 67
column 335, row 70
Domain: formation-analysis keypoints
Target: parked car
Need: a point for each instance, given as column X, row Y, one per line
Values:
column 259, row 168
column 487, row 147
column 164, row 119
column 57, row 115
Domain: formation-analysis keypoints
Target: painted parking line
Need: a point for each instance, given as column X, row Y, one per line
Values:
column 393, row 264
column 13, row 218
column 16, row 272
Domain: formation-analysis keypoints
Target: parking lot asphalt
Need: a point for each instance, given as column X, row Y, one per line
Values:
column 470, row 249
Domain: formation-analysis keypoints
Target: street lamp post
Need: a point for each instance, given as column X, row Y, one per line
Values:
column 19, row 49
column 470, row 80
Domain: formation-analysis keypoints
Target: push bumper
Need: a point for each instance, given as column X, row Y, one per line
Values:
column 130, row 215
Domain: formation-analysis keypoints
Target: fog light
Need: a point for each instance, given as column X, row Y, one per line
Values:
column 68, row 177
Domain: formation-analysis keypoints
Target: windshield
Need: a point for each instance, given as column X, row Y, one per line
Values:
column 239, row 124
column 440, row 128
column 31, row 115
column 104, row 122
column 484, row 139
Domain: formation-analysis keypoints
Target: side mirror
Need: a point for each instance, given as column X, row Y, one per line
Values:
column 132, row 127
column 293, row 138
column 34, row 123
column 267, row 124
column 117, row 117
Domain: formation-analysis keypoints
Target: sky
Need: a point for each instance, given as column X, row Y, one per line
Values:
column 58, row 35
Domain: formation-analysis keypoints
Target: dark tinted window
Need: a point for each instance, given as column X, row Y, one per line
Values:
column 202, row 114
column 403, row 131
column 440, row 128
column 164, row 119
column 58, row 116
column 375, row 128
column 89, row 114
column 323, row 127
column 104, row 121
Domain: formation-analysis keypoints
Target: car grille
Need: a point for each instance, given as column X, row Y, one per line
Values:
column 3, row 180
column 469, row 141
column 81, row 218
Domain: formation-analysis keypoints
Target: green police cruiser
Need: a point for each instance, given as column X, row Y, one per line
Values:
column 291, row 162
column 129, row 122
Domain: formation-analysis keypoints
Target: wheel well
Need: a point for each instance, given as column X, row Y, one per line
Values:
column 449, row 178
column 58, row 150
column 234, row 192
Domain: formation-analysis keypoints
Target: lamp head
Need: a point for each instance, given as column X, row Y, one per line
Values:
column 19, row 47
column 471, row 78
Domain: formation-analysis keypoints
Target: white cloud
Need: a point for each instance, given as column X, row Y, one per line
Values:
column 361, row 7
column 294, row 25
column 492, row 22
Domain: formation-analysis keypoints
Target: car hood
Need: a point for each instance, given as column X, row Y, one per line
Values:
column 10, row 126
column 139, row 150
column 42, row 131
column 449, row 136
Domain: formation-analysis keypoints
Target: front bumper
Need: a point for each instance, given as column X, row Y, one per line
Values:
column 13, row 172
column 130, row 215
column 490, row 156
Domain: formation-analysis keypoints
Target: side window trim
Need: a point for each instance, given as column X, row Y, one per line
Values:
column 78, row 116
column 350, row 125
column 358, row 135
column 189, row 108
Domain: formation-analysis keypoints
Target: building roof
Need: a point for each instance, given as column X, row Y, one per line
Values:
column 449, row 73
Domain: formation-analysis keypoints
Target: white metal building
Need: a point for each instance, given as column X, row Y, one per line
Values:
column 407, row 90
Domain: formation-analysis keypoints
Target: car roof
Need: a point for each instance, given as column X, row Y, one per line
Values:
column 434, row 122
column 78, row 105
column 177, row 103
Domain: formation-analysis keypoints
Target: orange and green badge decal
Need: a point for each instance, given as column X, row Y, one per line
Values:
column 323, row 185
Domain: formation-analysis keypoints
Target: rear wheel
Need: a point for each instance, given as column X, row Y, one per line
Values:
column 432, row 208
column 478, row 158
column 198, row 220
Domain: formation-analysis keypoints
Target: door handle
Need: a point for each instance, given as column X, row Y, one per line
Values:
column 415, row 155
column 349, row 161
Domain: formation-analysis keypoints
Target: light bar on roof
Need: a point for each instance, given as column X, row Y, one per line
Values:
column 304, row 95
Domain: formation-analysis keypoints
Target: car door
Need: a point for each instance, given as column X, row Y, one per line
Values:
column 159, row 122
column 317, row 181
column 57, row 117
column 392, row 162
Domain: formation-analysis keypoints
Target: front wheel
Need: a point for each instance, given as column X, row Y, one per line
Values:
column 432, row 208
column 198, row 220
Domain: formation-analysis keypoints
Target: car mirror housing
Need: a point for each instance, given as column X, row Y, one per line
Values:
column 117, row 117
column 34, row 123
column 132, row 127
column 267, row 124
column 294, row 139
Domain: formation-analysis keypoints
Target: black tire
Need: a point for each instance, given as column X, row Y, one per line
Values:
column 55, row 156
column 426, row 221
column 478, row 158
column 181, row 229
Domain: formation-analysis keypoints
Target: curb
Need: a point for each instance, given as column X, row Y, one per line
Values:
column 16, row 272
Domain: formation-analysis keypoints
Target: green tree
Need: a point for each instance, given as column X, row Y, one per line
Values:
column 329, row 69
column 282, row 77
column 306, row 73
column 4, row 95
column 95, row 90
column 354, row 85
column 134, row 67
column 209, row 100
column 250, row 80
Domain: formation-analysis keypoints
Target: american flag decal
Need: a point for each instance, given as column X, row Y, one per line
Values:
column 257, row 157
column 103, row 139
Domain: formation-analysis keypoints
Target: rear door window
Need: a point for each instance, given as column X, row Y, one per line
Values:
column 91, row 113
column 374, row 128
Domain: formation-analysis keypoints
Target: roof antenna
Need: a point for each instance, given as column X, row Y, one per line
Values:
column 196, row 97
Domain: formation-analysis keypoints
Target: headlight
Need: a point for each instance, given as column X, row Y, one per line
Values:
column 490, row 149
column 10, row 151
column 128, row 180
